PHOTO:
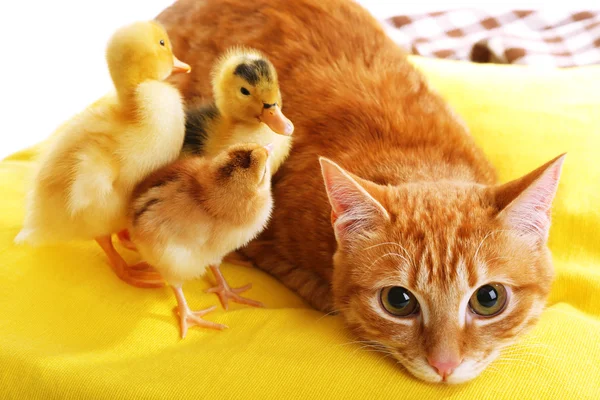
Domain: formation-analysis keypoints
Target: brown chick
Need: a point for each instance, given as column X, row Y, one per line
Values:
column 187, row 216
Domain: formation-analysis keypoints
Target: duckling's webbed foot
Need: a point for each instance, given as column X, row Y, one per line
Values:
column 125, row 240
column 140, row 275
column 226, row 293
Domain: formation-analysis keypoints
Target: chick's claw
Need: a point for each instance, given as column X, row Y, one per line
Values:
column 226, row 293
column 194, row 318
column 189, row 318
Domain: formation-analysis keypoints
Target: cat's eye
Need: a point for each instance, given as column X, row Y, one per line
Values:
column 489, row 300
column 399, row 301
column 245, row 91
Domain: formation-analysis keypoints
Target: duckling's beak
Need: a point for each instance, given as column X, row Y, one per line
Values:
column 274, row 118
column 180, row 66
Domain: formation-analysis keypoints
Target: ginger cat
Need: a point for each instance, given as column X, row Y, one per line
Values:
column 428, row 257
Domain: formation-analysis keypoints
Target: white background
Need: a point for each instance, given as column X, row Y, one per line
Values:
column 52, row 54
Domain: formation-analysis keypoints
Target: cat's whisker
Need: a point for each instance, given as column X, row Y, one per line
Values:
column 495, row 370
column 357, row 342
column 385, row 354
column 373, row 347
column 512, row 361
column 525, row 350
column 528, row 344
column 327, row 315
column 337, row 311
column 411, row 262
column 384, row 244
column 533, row 355
column 555, row 356
column 517, row 358
column 497, row 258
column 485, row 238
column 387, row 255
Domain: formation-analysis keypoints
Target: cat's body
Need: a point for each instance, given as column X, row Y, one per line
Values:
column 422, row 212
column 337, row 86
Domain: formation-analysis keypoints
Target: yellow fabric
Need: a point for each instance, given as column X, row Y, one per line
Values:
column 70, row 329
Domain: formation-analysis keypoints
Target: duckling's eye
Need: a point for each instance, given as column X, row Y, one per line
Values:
column 162, row 42
column 245, row 91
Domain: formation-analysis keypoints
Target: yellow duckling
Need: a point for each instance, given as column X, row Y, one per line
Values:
column 86, row 177
column 247, row 109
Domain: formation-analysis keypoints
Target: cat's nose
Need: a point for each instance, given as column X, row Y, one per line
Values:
column 444, row 366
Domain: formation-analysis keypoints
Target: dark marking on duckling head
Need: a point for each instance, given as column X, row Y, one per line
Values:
column 263, row 69
column 253, row 71
column 247, row 72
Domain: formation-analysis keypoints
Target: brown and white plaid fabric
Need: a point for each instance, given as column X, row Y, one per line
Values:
column 548, row 38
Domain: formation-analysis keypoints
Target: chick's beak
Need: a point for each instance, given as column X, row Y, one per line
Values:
column 269, row 148
column 275, row 120
column 179, row 66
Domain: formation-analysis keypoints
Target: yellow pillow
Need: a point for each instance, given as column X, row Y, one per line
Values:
column 70, row 328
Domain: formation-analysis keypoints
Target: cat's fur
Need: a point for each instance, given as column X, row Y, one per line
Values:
column 426, row 212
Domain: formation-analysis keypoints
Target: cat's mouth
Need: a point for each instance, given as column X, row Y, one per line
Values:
column 469, row 368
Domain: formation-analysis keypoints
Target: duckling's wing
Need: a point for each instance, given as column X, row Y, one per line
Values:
column 95, row 173
column 198, row 124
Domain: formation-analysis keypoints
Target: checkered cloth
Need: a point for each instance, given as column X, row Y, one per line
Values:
column 548, row 38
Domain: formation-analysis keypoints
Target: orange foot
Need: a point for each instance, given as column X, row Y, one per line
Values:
column 141, row 275
column 189, row 318
column 226, row 293
column 125, row 240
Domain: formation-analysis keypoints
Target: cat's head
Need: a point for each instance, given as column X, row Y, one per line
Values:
column 442, row 275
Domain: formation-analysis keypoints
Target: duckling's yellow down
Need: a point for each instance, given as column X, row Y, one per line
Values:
column 85, row 177
column 247, row 108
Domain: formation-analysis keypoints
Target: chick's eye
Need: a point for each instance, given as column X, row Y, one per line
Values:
column 162, row 42
column 489, row 300
column 245, row 91
column 399, row 301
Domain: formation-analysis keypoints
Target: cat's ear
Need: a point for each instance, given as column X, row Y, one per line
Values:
column 525, row 203
column 355, row 210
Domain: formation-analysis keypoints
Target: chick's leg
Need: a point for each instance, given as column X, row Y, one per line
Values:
column 145, row 277
column 226, row 293
column 189, row 318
